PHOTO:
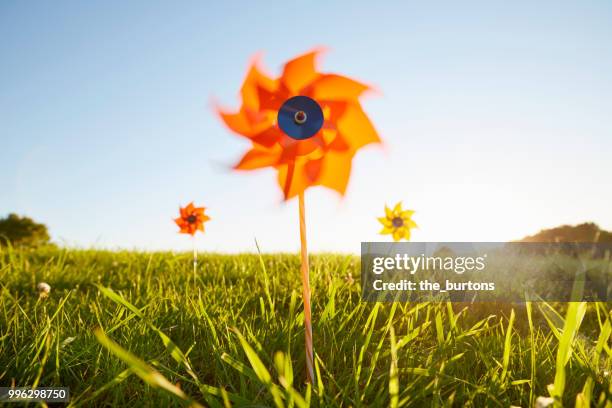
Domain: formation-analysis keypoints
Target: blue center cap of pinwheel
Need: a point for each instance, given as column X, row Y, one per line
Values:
column 300, row 117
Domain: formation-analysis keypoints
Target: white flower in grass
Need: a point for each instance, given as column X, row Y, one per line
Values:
column 543, row 402
column 43, row 289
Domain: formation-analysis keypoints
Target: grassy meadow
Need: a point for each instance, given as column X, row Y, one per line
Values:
column 138, row 329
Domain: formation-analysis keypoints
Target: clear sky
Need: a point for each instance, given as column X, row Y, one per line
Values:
column 496, row 116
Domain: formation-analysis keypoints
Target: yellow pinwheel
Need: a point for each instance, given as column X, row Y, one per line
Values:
column 397, row 222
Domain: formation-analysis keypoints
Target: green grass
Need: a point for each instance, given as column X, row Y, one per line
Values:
column 127, row 328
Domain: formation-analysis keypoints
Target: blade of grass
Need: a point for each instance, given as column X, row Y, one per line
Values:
column 146, row 373
column 176, row 353
column 573, row 320
column 507, row 347
column 532, row 354
column 393, row 373
column 260, row 369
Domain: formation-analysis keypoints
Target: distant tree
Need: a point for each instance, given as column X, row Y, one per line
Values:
column 587, row 232
column 23, row 231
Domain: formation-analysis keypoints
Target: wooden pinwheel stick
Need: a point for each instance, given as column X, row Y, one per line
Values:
column 195, row 258
column 306, row 294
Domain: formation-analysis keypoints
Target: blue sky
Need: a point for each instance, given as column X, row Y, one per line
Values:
column 496, row 116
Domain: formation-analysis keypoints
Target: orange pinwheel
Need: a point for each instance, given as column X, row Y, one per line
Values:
column 324, row 158
column 308, row 126
column 192, row 219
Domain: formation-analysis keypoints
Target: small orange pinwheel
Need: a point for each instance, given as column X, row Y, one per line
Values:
column 321, row 159
column 192, row 219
